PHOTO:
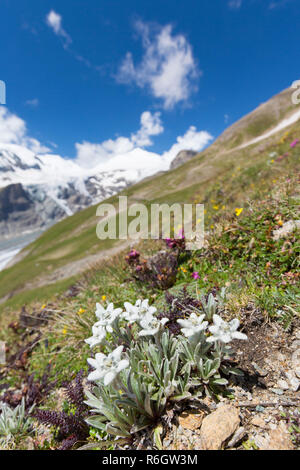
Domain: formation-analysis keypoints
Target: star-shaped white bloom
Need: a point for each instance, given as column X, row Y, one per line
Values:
column 107, row 368
column 107, row 316
column 99, row 335
column 225, row 331
column 151, row 325
column 135, row 312
column 192, row 325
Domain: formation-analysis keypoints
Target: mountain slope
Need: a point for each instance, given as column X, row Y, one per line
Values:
column 223, row 177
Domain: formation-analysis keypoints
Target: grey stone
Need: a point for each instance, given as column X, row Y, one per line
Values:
column 277, row 391
column 239, row 434
column 182, row 157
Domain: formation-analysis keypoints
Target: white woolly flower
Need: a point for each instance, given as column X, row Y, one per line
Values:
column 225, row 331
column 134, row 313
column 192, row 325
column 107, row 368
column 99, row 335
column 151, row 325
column 107, row 316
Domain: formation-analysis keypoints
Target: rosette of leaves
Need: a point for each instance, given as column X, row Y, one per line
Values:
column 205, row 364
column 212, row 303
column 183, row 304
column 161, row 368
column 14, row 423
column 140, row 395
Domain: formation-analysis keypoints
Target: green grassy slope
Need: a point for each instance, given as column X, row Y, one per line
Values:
column 223, row 177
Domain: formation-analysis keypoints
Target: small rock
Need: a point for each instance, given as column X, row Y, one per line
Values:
column 295, row 384
column 218, row 427
column 261, row 372
column 283, row 384
column 260, row 409
column 258, row 422
column 297, row 372
column 295, row 344
column 279, row 439
column 191, row 420
column 287, row 228
column 29, row 443
column 237, row 437
column 278, row 391
column 272, row 426
column 261, row 442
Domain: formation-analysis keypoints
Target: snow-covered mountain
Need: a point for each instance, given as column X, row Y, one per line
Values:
column 38, row 190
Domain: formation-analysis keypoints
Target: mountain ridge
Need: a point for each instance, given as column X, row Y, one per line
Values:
column 54, row 187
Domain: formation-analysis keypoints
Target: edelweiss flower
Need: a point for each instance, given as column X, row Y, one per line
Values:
column 107, row 316
column 193, row 324
column 223, row 331
column 151, row 325
column 99, row 335
column 136, row 312
column 107, row 368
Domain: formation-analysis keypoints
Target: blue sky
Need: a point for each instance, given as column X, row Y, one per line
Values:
column 87, row 70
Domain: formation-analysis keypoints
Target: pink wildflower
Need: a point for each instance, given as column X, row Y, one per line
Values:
column 294, row 143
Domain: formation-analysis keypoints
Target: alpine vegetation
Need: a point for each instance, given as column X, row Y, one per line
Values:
column 142, row 366
column 14, row 423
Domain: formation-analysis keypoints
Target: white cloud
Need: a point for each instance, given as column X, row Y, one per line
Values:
column 12, row 128
column 191, row 140
column 278, row 4
column 32, row 103
column 167, row 69
column 235, row 4
column 128, row 152
column 13, row 131
column 90, row 154
column 150, row 125
column 54, row 21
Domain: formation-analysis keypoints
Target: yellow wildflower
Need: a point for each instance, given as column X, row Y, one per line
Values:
column 64, row 331
column 81, row 311
column 103, row 298
column 44, row 306
column 238, row 211
column 216, row 207
column 280, row 223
